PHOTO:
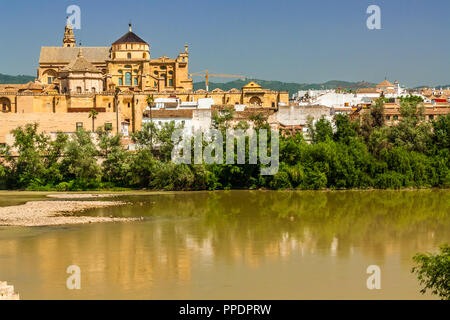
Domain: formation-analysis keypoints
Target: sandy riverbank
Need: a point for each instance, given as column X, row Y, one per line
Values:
column 51, row 213
column 81, row 195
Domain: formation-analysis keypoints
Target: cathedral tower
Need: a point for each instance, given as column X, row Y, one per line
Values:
column 69, row 38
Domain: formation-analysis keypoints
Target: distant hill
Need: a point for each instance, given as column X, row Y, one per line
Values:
column 285, row 86
column 437, row 87
column 292, row 87
column 4, row 78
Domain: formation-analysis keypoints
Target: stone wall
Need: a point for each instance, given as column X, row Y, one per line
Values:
column 52, row 122
column 298, row 115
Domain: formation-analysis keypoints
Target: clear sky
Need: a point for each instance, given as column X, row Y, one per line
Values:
column 286, row 40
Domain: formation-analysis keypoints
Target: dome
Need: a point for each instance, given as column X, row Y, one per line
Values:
column 130, row 37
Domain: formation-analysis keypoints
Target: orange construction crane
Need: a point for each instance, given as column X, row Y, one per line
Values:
column 206, row 75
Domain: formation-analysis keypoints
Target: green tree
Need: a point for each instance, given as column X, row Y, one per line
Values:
column 321, row 131
column 372, row 119
column 221, row 120
column 433, row 272
column 260, row 121
column 441, row 132
column 411, row 132
column 164, row 139
column 345, row 128
column 30, row 146
column 80, row 161
column 116, row 160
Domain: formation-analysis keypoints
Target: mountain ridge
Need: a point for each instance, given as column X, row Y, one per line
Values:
column 19, row 79
column 291, row 87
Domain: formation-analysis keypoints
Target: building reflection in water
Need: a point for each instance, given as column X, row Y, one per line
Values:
column 226, row 237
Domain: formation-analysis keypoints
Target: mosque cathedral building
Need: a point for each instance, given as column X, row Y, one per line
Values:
column 116, row 81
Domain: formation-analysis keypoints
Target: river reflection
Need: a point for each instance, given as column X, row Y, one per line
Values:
column 235, row 244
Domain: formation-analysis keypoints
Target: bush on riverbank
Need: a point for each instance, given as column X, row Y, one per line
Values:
column 433, row 272
column 363, row 153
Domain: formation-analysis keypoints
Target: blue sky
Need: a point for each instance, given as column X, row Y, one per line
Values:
column 287, row 40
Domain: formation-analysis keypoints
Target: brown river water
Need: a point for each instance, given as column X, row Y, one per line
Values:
column 232, row 245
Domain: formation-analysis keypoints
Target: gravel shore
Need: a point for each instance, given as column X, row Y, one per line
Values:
column 81, row 195
column 52, row 213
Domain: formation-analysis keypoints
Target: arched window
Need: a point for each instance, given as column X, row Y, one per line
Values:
column 128, row 79
column 136, row 82
column 255, row 101
column 50, row 76
column 129, row 55
column 120, row 82
column 5, row 105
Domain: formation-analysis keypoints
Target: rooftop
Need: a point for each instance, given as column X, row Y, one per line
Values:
column 130, row 37
column 68, row 54
column 80, row 64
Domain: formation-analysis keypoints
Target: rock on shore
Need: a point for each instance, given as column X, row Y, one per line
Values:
column 7, row 292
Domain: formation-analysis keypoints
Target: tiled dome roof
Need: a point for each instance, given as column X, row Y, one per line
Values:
column 130, row 37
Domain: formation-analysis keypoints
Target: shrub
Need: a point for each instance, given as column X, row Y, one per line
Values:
column 433, row 272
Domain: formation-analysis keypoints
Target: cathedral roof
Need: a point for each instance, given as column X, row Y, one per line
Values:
column 130, row 37
column 31, row 86
column 385, row 84
column 66, row 55
column 252, row 84
column 80, row 64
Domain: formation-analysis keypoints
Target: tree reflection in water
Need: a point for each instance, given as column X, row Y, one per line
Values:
column 217, row 233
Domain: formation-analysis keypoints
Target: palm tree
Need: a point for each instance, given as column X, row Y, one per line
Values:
column 150, row 101
column 93, row 114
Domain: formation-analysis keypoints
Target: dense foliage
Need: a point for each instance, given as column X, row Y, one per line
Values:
column 433, row 272
column 361, row 153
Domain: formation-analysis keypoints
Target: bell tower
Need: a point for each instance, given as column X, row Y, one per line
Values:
column 69, row 38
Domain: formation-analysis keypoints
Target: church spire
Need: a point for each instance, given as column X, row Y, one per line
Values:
column 69, row 37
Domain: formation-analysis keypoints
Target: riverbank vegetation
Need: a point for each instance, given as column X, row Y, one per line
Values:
column 433, row 272
column 346, row 154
